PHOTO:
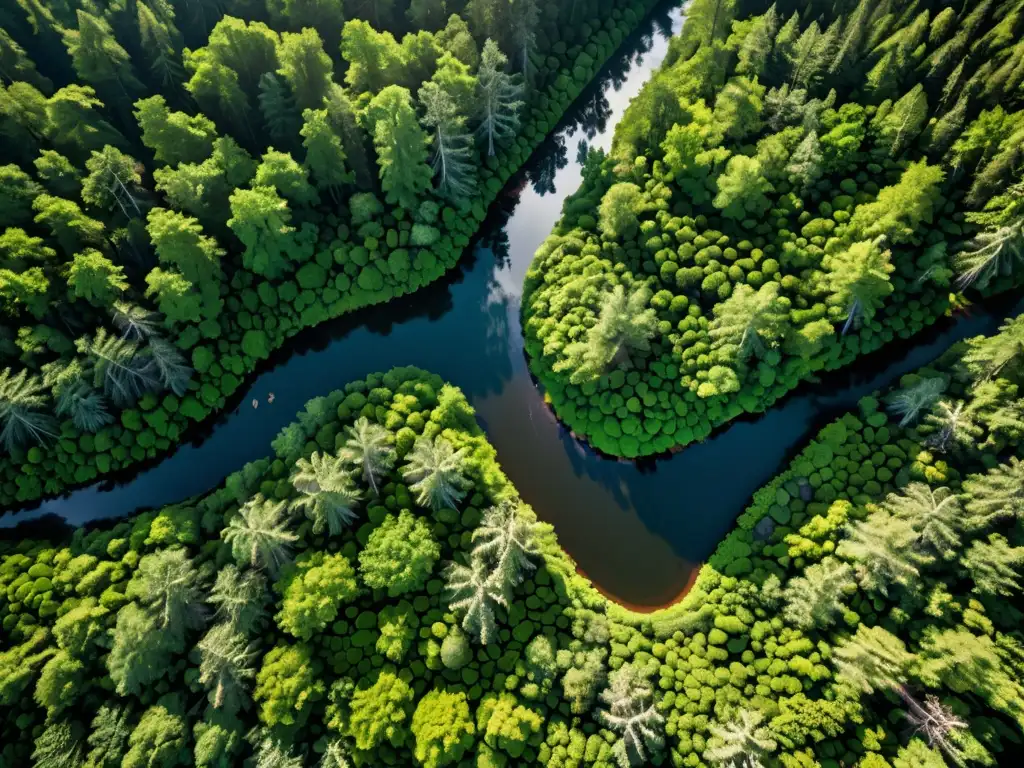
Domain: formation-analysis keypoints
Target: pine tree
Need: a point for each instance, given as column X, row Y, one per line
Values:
column 60, row 745
column 375, row 58
column 499, row 97
column 880, row 547
column 100, row 60
column 21, row 403
column 169, row 364
column 951, row 424
column 997, row 250
column 937, row 723
column 327, row 494
column 58, row 174
column 258, row 535
column 135, row 323
column 630, row 710
column 434, row 470
column 95, row 278
column 74, row 398
column 873, row 659
column 118, row 366
column 217, row 91
column 239, row 598
column 911, row 402
column 71, row 228
column 505, row 539
column 934, row 514
column 325, row 155
column 108, row 737
column 161, row 44
column 748, row 323
column 996, row 493
column 624, row 327
column 74, row 124
column 277, row 105
column 904, row 122
column 401, row 147
column 368, row 449
column 524, row 18
column 174, row 137
column 757, row 45
column 306, row 68
column 858, row 279
column 167, row 583
column 226, row 659
column 742, row 741
column 471, row 590
column 452, row 162
column 994, row 566
column 814, row 599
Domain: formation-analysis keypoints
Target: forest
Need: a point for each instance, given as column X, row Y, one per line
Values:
column 188, row 184
column 799, row 185
column 376, row 593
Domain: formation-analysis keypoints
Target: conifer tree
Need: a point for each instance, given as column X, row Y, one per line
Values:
column 506, row 540
column 472, row 592
column 741, row 741
column 996, row 493
column 401, row 147
column 934, row 514
column 24, row 423
column 629, row 709
column 499, row 97
column 858, row 280
column 452, row 162
column 368, row 449
column 880, row 548
column 258, row 535
column 995, row 566
column 748, row 323
column 434, row 470
column 814, row 599
column 326, row 492
column 872, row 659
column 325, row 154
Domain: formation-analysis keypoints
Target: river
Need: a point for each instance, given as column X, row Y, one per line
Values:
column 638, row 530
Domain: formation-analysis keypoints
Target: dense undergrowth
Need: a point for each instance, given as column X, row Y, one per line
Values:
column 375, row 593
column 190, row 184
column 798, row 185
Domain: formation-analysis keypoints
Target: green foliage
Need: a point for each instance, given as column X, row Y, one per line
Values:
column 399, row 555
column 312, row 591
column 442, row 728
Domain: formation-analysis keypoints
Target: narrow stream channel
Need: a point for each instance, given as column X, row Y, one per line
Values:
column 638, row 530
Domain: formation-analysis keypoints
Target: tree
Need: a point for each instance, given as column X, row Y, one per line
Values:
column 880, row 547
column 305, row 66
column 174, row 137
column 458, row 40
column 259, row 535
column 749, row 322
column 311, row 592
column 271, row 752
column 278, row 170
column 217, row 91
column 742, row 741
column 902, row 208
column 583, row 679
column 472, row 590
column 1000, row 355
column 994, row 566
column 248, row 48
column 95, row 278
column 452, row 160
column 935, row 516
column 325, row 155
column 288, row 685
column 743, row 189
column 226, row 659
column 161, row 737
column 277, row 105
column 814, row 599
column 60, row 744
column 113, row 180
column 442, row 727
column 162, row 45
column 26, row 291
column 434, row 469
column 757, row 45
column 175, row 296
column 139, row 652
column 19, row 250
column 629, row 710
column 858, row 280
column 239, row 598
column 624, row 327
column 21, row 403
column 15, row 64
column 401, row 147
column 916, row 399
column 368, row 449
column 525, row 16
column 99, row 60
column 806, row 164
column 61, row 681
column 73, row 122
column 738, row 108
column 937, row 723
column 872, row 659
column 75, row 398
column 619, row 210
column 58, row 174
column 375, row 58
column 951, row 424
column 991, row 254
column 499, row 98
column 261, row 219
column 327, row 494
column 399, row 555
column 506, row 539
column 904, row 122
column 167, row 583
column 17, row 191
column 380, row 711
column 175, row 374
column 71, row 228
column 179, row 241
column 996, row 493
column 108, row 737
column 119, row 366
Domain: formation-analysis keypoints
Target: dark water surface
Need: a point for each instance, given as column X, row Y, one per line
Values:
column 637, row 530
